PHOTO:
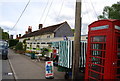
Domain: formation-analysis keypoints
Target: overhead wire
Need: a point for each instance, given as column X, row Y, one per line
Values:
column 82, row 15
column 21, row 15
column 48, row 11
column 43, row 11
column 86, row 6
column 60, row 9
column 94, row 9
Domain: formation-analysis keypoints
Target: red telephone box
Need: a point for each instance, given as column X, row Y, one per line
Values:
column 103, row 52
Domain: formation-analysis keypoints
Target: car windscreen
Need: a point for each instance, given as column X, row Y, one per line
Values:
column 3, row 45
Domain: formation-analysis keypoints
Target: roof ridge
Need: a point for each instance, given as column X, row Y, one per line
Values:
column 48, row 29
column 56, row 24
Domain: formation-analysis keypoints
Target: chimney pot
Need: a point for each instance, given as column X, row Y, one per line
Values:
column 19, row 35
column 40, row 26
column 29, row 29
column 11, row 36
column 16, row 36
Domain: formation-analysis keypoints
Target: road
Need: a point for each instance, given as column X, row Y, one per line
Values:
column 26, row 68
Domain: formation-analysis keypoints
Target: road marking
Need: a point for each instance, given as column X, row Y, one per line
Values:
column 14, row 74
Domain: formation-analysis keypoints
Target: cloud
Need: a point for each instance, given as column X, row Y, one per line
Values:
column 56, row 14
column 7, row 24
column 63, row 18
column 84, row 28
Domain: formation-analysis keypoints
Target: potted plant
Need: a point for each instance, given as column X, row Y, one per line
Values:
column 32, row 54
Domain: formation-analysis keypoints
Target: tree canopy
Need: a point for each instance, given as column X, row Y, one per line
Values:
column 13, row 42
column 3, row 35
column 73, row 30
column 111, row 12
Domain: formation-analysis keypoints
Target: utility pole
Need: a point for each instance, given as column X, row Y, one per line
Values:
column 77, row 46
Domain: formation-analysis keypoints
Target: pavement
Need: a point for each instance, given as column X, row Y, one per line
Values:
column 6, row 70
column 24, row 67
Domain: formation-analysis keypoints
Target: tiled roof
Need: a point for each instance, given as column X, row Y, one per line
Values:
column 45, row 30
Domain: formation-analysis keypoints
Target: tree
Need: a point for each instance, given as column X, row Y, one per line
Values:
column 1, row 30
column 13, row 42
column 111, row 12
column 5, row 36
column 73, row 30
column 24, row 44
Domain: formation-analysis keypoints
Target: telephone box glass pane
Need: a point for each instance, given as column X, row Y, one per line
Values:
column 118, row 78
column 97, row 68
column 98, row 46
column 99, row 39
column 118, row 70
column 118, row 54
column 90, row 79
column 95, row 75
column 118, row 47
column 118, row 63
column 97, row 61
column 118, row 40
column 96, row 53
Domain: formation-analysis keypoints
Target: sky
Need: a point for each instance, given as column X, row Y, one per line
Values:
column 48, row 12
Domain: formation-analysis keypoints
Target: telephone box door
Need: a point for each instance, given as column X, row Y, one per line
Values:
column 97, row 57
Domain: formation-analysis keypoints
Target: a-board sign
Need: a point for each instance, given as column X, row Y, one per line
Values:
column 49, row 69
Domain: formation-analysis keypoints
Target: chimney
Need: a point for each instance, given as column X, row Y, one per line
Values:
column 29, row 29
column 40, row 26
column 19, row 35
column 11, row 36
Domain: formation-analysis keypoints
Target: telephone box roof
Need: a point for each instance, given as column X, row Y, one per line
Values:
column 109, row 20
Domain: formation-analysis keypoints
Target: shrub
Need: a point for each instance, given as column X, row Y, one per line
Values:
column 19, row 46
column 44, row 51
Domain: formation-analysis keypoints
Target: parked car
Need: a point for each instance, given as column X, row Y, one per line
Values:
column 4, row 49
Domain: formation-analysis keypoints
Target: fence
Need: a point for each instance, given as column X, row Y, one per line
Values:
column 65, row 50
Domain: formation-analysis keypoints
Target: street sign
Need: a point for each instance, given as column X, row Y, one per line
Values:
column 49, row 69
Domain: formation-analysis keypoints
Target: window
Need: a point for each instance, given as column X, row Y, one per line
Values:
column 34, row 37
column 118, row 47
column 118, row 40
column 48, row 36
column 34, row 48
column 99, row 39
